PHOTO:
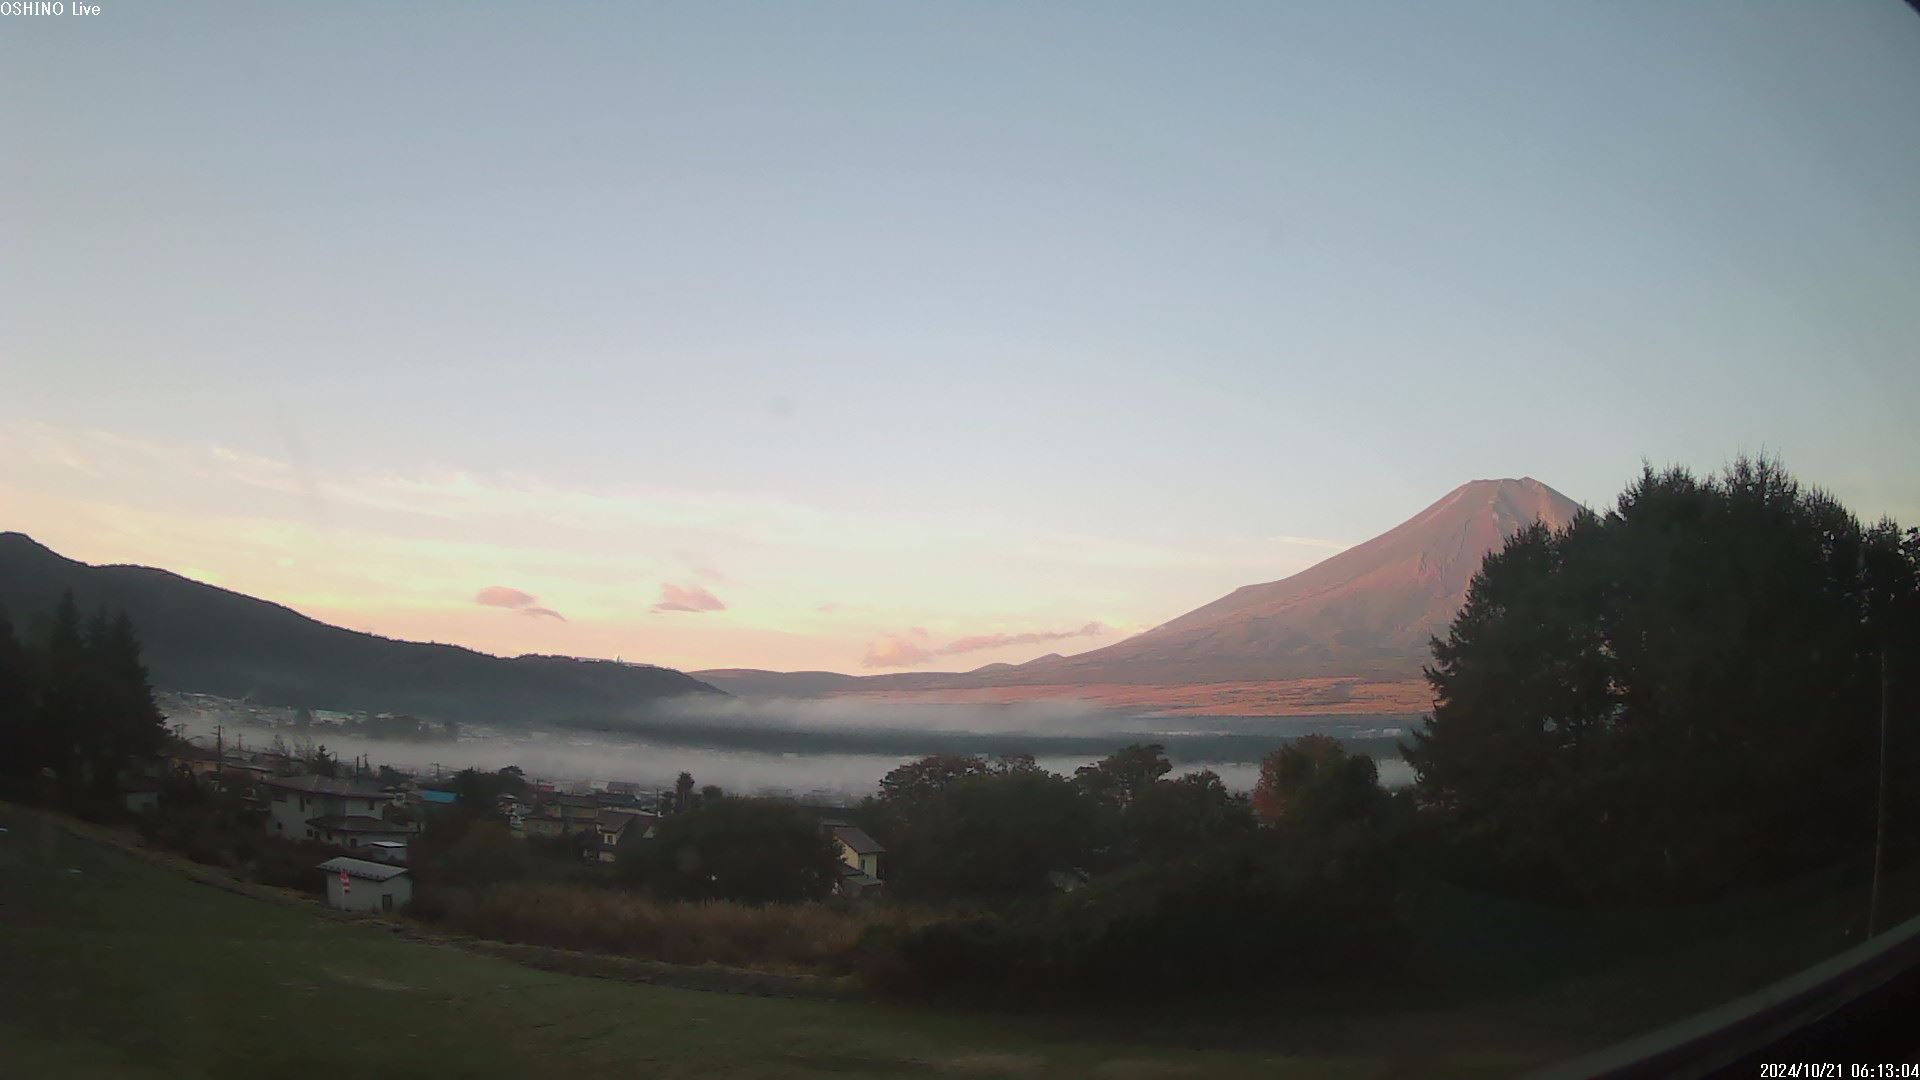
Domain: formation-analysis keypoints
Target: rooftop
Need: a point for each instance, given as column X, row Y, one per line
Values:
column 361, row 868
column 356, row 823
column 857, row 840
column 328, row 785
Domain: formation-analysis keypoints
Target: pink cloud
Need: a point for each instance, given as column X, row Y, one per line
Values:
column 978, row 642
column 515, row 600
column 911, row 647
column 501, row 596
column 691, row 598
column 896, row 650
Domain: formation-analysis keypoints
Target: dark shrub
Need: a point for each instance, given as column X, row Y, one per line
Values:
column 1274, row 910
column 756, row 851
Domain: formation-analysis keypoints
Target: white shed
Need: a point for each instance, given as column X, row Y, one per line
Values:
column 359, row 885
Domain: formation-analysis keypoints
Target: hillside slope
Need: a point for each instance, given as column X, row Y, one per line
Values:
column 203, row 639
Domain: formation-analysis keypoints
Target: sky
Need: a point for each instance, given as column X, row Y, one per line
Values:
column 872, row 337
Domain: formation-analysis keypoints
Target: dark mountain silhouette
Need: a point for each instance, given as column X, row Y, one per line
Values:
column 759, row 682
column 1361, row 617
column 201, row 639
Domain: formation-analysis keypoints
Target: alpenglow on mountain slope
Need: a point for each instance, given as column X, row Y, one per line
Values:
column 1347, row 634
column 1367, row 611
column 202, row 639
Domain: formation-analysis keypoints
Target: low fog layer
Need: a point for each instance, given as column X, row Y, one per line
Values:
column 837, row 748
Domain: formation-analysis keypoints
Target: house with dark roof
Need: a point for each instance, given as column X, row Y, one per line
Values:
column 620, row 829
column 860, row 858
column 563, row 815
column 295, row 803
column 355, row 830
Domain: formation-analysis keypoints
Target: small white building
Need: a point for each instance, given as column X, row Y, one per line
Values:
column 359, row 885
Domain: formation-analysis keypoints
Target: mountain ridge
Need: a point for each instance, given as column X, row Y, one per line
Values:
column 202, row 638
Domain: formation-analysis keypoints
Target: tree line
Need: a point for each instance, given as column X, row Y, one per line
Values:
column 1710, row 686
column 75, row 704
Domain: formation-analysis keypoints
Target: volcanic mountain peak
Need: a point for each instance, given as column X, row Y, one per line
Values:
column 1307, row 643
column 1367, row 611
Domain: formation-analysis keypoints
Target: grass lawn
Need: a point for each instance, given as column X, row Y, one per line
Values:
column 111, row 967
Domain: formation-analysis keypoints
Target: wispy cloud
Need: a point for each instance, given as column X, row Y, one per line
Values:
column 688, row 598
column 525, row 603
column 978, row 642
column 914, row 646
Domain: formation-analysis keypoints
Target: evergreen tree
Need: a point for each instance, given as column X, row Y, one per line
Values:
column 132, row 726
column 1677, row 698
column 19, row 749
column 64, row 703
column 78, row 702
